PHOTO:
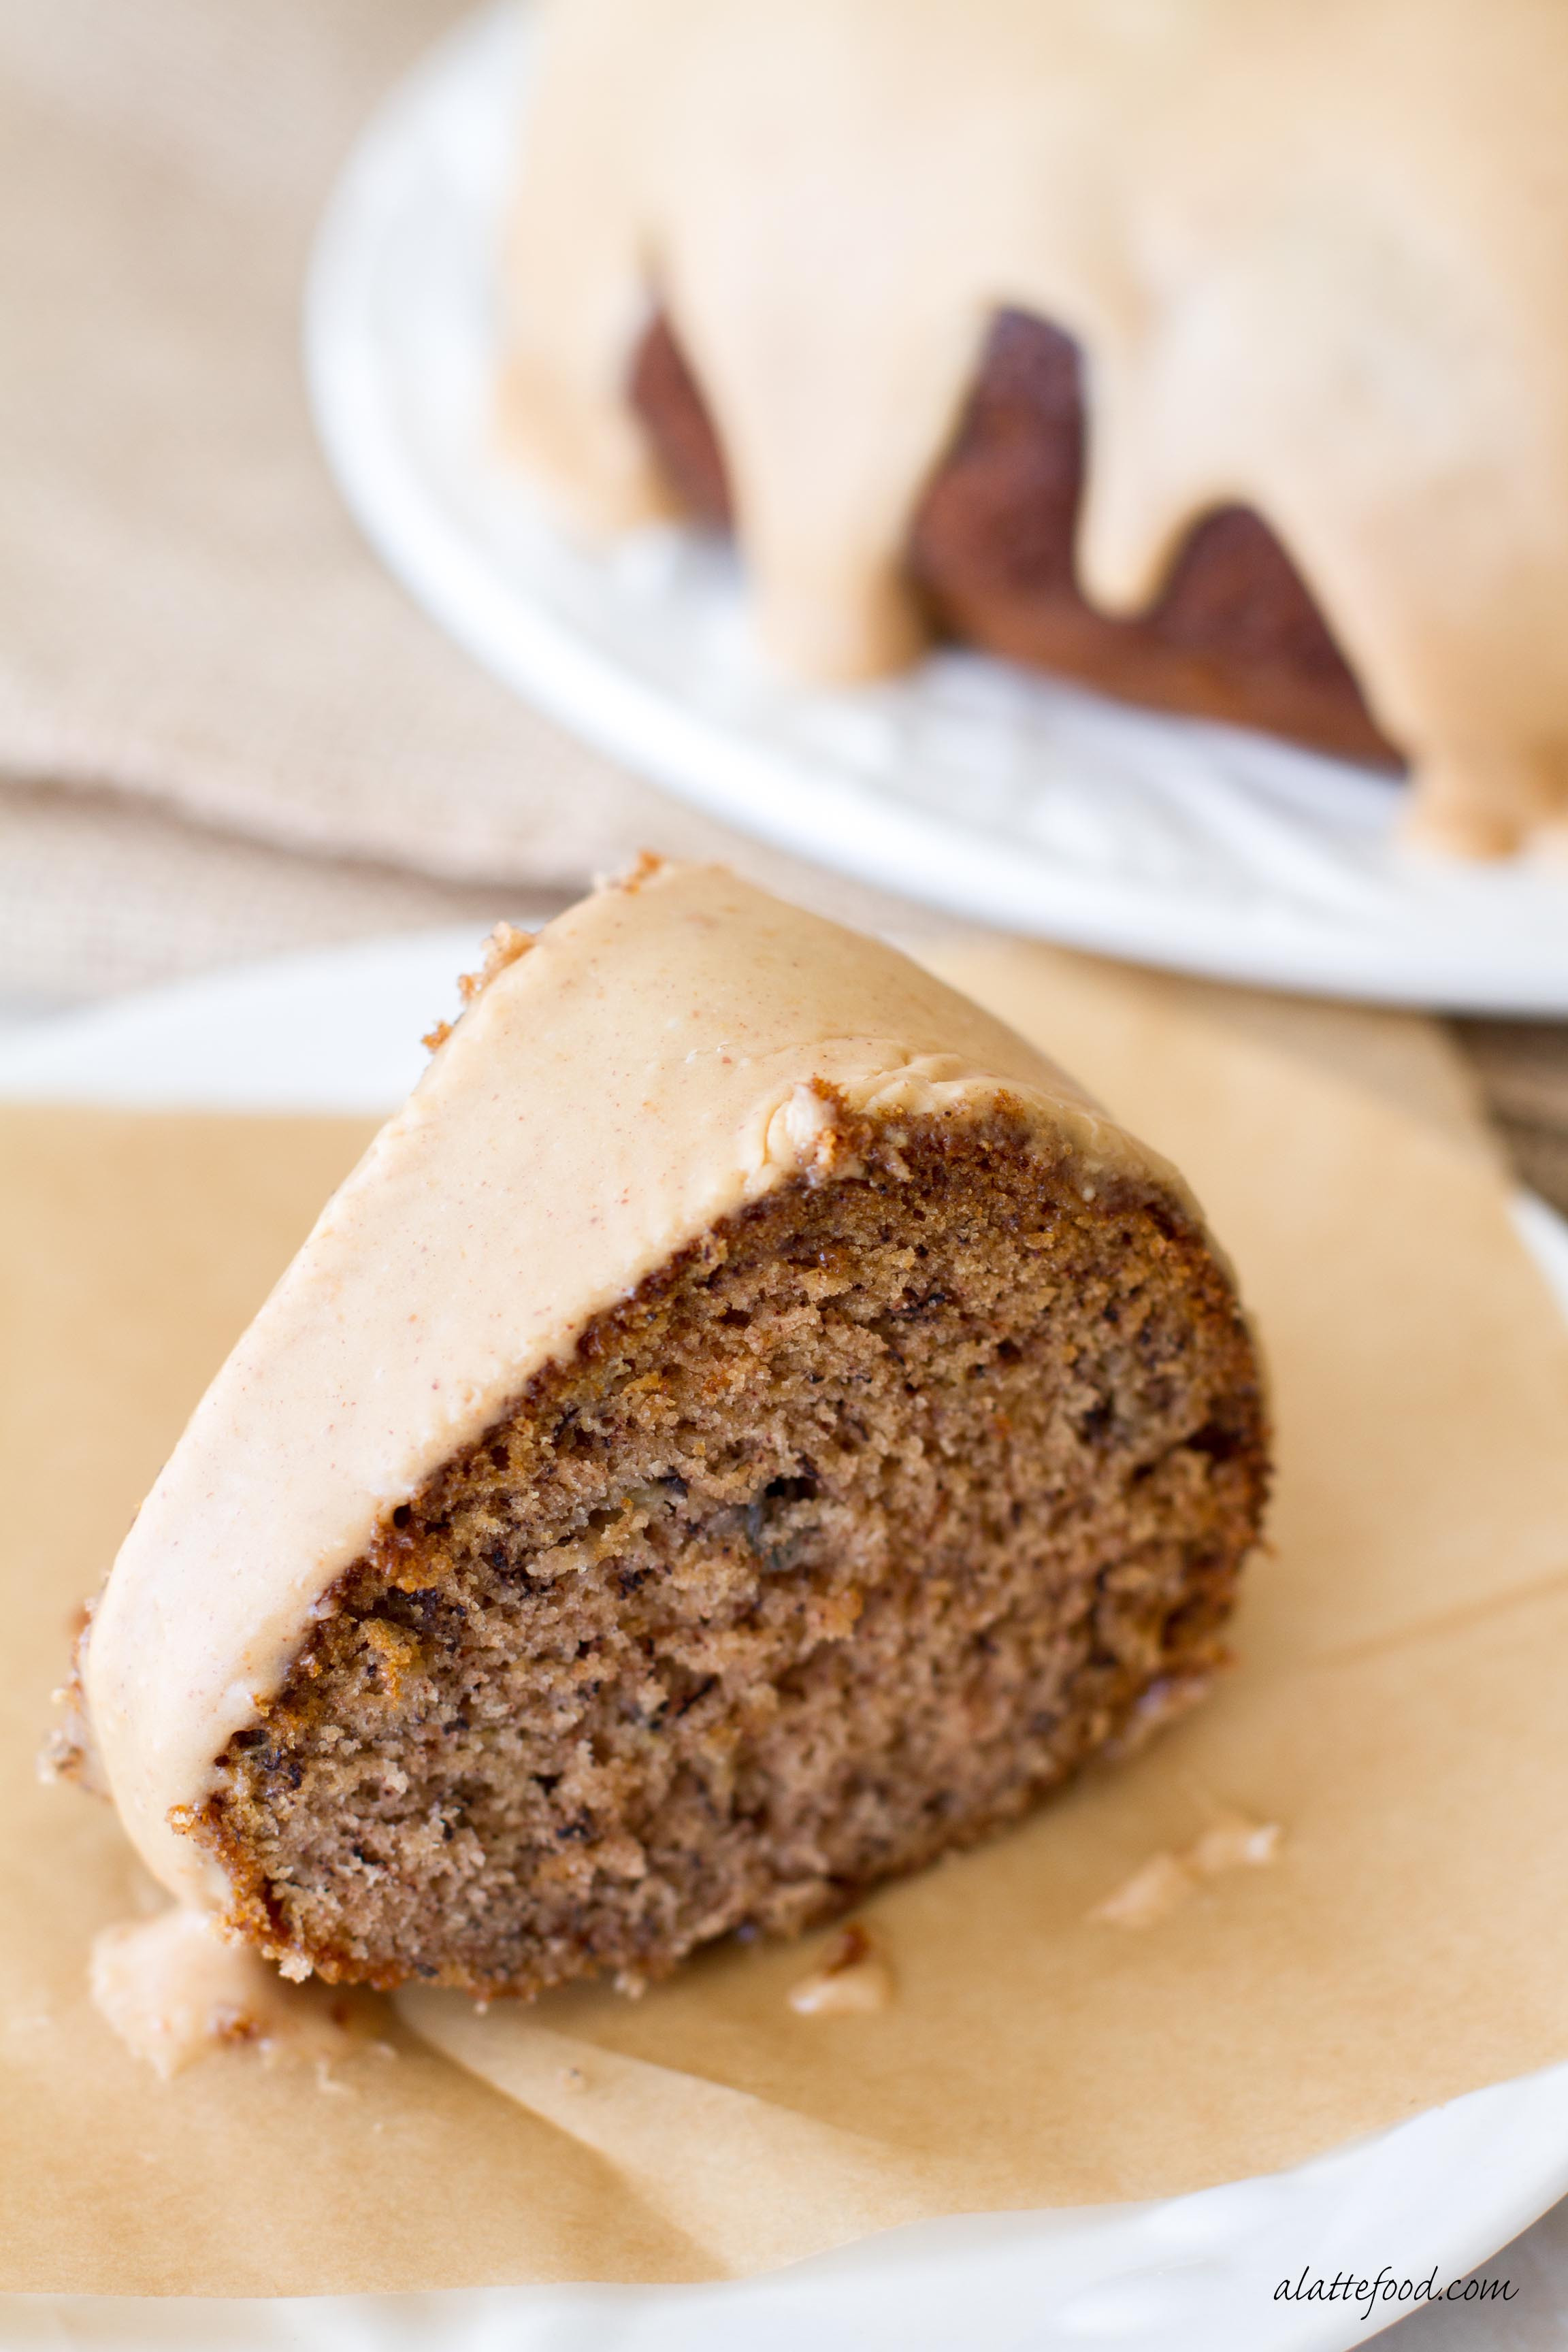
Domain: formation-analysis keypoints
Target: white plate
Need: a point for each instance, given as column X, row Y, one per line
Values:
column 338, row 1032
column 966, row 782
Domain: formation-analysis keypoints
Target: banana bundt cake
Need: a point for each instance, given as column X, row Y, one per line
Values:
column 1215, row 353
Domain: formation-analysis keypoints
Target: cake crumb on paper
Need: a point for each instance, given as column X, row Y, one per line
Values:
column 851, row 1980
column 1163, row 1882
column 175, row 1989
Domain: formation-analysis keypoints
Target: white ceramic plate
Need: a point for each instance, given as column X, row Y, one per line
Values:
column 966, row 782
column 338, row 1032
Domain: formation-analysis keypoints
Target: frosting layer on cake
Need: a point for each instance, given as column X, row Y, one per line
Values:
column 664, row 1054
column 1313, row 256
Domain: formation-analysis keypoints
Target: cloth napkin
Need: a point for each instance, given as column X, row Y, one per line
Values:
column 223, row 729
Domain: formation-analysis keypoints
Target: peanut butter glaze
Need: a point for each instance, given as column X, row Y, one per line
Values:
column 1313, row 257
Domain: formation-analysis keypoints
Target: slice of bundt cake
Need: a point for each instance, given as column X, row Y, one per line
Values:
column 748, row 1423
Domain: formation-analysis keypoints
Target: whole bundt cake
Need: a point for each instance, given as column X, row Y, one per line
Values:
column 1213, row 352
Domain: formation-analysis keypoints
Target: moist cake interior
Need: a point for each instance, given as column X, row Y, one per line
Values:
column 858, row 1526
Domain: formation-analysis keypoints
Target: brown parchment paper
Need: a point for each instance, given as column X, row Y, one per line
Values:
column 1400, row 1706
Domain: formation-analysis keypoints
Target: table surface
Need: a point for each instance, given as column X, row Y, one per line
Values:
column 1522, row 1069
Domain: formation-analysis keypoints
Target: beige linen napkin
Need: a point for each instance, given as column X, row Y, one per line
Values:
column 187, row 616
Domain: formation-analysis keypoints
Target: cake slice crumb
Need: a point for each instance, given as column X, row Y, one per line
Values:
column 851, row 1980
